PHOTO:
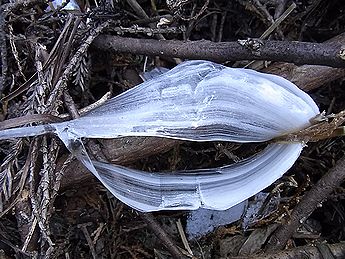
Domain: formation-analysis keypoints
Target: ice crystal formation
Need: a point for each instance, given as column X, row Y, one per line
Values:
column 195, row 101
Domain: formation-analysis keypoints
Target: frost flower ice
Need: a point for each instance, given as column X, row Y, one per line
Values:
column 195, row 101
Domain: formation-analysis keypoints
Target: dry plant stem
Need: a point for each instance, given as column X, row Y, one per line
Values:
column 162, row 235
column 310, row 252
column 142, row 14
column 32, row 118
column 34, row 200
column 66, row 49
column 311, row 200
column 287, row 51
column 88, row 239
column 3, row 48
column 277, row 22
column 49, row 154
column 74, row 61
column 23, row 207
column 15, row 51
column 70, row 105
column 183, row 237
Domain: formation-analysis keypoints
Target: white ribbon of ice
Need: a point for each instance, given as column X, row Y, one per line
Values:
column 196, row 101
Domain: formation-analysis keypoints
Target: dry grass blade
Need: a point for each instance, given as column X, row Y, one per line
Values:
column 68, row 72
column 278, row 21
column 183, row 237
column 32, row 118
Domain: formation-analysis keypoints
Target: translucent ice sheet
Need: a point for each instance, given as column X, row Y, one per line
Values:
column 196, row 101
column 215, row 188
column 199, row 101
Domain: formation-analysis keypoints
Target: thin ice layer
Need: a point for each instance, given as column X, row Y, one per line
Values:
column 215, row 188
column 202, row 101
column 198, row 101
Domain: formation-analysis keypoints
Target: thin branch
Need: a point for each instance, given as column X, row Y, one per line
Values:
column 56, row 92
column 311, row 200
column 162, row 235
column 277, row 22
column 288, row 51
column 83, row 227
column 142, row 14
column 31, row 118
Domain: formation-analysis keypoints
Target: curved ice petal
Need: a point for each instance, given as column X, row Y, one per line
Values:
column 215, row 188
column 202, row 101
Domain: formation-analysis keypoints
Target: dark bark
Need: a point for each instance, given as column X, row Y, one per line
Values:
column 328, row 53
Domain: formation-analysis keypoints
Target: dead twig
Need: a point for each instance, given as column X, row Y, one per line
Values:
column 311, row 200
column 57, row 91
column 70, row 105
column 162, row 235
column 277, row 22
column 31, row 118
column 142, row 14
column 83, row 227
column 3, row 47
column 329, row 54
column 309, row 77
column 183, row 236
